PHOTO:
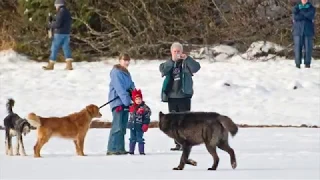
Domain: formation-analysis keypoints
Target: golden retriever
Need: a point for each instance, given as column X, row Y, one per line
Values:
column 74, row 126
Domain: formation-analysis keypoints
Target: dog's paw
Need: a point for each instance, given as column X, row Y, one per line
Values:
column 17, row 154
column 37, row 156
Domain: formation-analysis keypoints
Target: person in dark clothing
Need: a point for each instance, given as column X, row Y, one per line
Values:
column 61, row 37
column 303, row 31
column 177, row 88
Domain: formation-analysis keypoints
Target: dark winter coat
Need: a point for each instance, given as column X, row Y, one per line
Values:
column 62, row 23
column 189, row 67
column 136, row 119
column 303, row 20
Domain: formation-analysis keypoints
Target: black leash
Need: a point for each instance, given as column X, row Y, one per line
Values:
column 108, row 102
column 129, row 91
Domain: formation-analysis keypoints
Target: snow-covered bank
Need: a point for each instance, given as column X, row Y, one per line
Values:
column 272, row 92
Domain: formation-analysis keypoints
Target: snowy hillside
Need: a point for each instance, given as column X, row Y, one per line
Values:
column 260, row 92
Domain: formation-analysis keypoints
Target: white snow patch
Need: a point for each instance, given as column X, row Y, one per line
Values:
column 259, row 92
column 261, row 46
column 217, row 52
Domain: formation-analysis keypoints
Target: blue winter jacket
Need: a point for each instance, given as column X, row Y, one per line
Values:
column 136, row 120
column 62, row 23
column 119, row 85
column 303, row 20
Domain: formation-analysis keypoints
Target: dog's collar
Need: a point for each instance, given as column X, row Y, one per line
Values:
column 89, row 113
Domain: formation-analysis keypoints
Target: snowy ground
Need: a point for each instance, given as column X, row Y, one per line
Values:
column 260, row 92
column 279, row 153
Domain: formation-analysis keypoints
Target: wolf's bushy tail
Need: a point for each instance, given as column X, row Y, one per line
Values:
column 34, row 120
column 228, row 124
column 9, row 105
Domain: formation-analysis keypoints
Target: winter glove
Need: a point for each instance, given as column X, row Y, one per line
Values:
column 119, row 108
column 131, row 109
column 140, row 111
column 145, row 127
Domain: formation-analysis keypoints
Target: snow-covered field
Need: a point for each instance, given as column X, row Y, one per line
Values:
column 260, row 92
column 267, row 153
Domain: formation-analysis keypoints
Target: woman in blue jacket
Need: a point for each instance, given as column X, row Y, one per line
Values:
column 120, row 86
column 303, row 31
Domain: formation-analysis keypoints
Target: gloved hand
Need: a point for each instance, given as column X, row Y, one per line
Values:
column 131, row 109
column 140, row 111
column 145, row 127
column 119, row 108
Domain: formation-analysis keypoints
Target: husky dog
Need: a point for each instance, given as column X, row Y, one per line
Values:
column 15, row 126
column 195, row 128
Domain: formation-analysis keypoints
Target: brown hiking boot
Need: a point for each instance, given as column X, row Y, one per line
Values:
column 69, row 64
column 50, row 65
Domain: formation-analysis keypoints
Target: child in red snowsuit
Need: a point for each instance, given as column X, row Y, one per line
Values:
column 138, row 122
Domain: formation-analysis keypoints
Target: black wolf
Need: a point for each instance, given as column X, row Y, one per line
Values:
column 15, row 126
column 195, row 128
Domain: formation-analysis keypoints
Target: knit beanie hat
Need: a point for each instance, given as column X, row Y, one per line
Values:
column 136, row 93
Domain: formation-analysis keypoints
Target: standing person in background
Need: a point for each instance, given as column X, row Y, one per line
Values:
column 177, row 88
column 303, row 31
column 120, row 87
column 61, row 37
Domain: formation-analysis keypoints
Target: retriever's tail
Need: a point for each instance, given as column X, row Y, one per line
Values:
column 9, row 105
column 34, row 120
column 228, row 124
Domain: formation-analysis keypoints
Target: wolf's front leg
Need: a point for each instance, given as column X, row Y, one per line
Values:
column 184, row 157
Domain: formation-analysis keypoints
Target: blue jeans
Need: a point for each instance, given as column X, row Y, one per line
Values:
column 58, row 41
column 136, row 135
column 116, row 141
column 299, row 43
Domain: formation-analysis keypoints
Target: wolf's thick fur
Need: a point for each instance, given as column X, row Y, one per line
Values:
column 15, row 126
column 73, row 126
column 194, row 128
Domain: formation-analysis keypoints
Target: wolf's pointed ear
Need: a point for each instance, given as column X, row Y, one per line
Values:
column 160, row 113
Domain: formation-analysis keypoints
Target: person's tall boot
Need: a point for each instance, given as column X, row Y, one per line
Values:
column 141, row 149
column 69, row 64
column 132, row 146
column 50, row 65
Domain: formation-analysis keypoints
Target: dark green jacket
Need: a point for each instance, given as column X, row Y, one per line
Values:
column 189, row 67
